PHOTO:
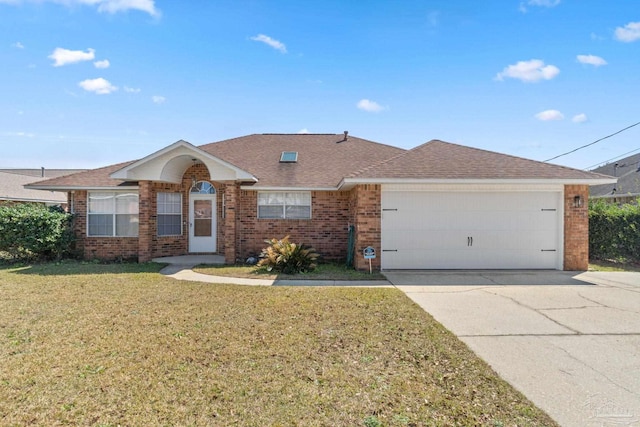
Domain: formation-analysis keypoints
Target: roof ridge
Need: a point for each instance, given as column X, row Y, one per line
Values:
column 393, row 158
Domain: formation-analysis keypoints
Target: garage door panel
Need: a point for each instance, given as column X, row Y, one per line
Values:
column 494, row 230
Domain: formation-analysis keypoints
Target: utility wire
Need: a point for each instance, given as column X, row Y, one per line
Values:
column 591, row 143
column 611, row 159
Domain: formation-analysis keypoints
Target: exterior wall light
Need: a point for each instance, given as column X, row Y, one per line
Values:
column 577, row 201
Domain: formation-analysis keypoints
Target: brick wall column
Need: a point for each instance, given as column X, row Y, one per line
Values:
column 366, row 205
column 144, row 221
column 230, row 222
column 576, row 228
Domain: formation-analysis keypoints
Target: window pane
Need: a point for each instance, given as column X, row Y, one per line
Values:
column 267, row 198
column 298, row 212
column 169, row 225
column 126, row 225
column 101, row 202
column 127, row 203
column 298, row 199
column 270, row 212
column 169, row 203
column 100, row 225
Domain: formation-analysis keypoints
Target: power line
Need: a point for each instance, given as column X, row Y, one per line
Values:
column 611, row 159
column 594, row 142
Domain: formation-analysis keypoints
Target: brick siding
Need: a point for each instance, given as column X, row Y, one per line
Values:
column 576, row 228
column 326, row 231
column 365, row 206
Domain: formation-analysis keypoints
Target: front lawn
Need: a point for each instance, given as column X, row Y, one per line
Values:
column 108, row 345
column 602, row 265
column 322, row 272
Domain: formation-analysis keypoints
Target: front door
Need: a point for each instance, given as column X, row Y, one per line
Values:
column 202, row 223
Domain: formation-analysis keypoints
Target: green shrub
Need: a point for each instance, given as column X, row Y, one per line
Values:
column 32, row 231
column 614, row 231
column 286, row 257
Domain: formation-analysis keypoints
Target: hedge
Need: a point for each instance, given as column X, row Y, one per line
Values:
column 614, row 231
column 33, row 231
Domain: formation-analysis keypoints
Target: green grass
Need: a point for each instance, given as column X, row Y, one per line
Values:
column 599, row 265
column 322, row 272
column 108, row 345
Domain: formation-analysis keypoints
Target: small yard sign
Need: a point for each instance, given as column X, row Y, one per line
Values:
column 369, row 253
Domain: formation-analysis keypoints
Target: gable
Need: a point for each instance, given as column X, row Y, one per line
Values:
column 170, row 164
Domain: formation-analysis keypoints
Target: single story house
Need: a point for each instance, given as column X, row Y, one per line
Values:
column 436, row 206
column 12, row 182
column 627, row 187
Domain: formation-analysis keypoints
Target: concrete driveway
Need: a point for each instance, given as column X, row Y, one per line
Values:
column 569, row 341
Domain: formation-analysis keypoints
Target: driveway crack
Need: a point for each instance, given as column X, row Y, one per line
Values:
column 575, row 331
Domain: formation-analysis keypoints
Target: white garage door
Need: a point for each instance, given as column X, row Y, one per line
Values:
column 471, row 230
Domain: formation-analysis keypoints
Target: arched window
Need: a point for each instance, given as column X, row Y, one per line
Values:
column 203, row 187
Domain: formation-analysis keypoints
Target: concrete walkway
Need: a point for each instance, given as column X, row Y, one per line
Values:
column 181, row 268
column 573, row 348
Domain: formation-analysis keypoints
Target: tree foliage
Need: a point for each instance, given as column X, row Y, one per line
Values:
column 614, row 231
column 33, row 231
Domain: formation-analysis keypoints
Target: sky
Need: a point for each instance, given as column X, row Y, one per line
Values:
column 88, row 83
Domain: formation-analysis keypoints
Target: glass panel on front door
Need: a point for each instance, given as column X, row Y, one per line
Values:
column 202, row 218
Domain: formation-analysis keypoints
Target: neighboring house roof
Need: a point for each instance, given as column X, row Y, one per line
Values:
column 325, row 161
column 628, row 173
column 41, row 172
column 438, row 160
column 12, row 187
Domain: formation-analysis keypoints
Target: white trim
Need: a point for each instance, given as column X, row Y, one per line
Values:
column 128, row 172
column 257, row 188
column 66, row 189
column 473, row 187
column 348, row 182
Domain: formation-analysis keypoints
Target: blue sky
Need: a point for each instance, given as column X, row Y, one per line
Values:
column 87, row 83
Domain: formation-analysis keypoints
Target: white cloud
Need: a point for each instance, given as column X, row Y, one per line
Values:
column 17, row 45
column 369, row 106
column 541, row 3
column 628, row 33
column 102, row 64
column 278, row 45
column 131, row 89
column 591, row 60
column 433, row 18
column 108, row 6
column 304, row 130
column 548, row 115
column 100, row 86
column 580, row 118
column 544, row 3
column 62, row 56
column 158, row 99
column 529, row 71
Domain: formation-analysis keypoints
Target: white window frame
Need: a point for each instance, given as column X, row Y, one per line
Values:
column 112, row 210
column 159, row 214
column 283, row 195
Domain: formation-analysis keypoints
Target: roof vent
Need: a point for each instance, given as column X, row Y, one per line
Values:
column 289, row 157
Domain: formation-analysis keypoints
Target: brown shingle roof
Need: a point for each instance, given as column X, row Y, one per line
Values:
column 323, row 159
column 443, row 160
